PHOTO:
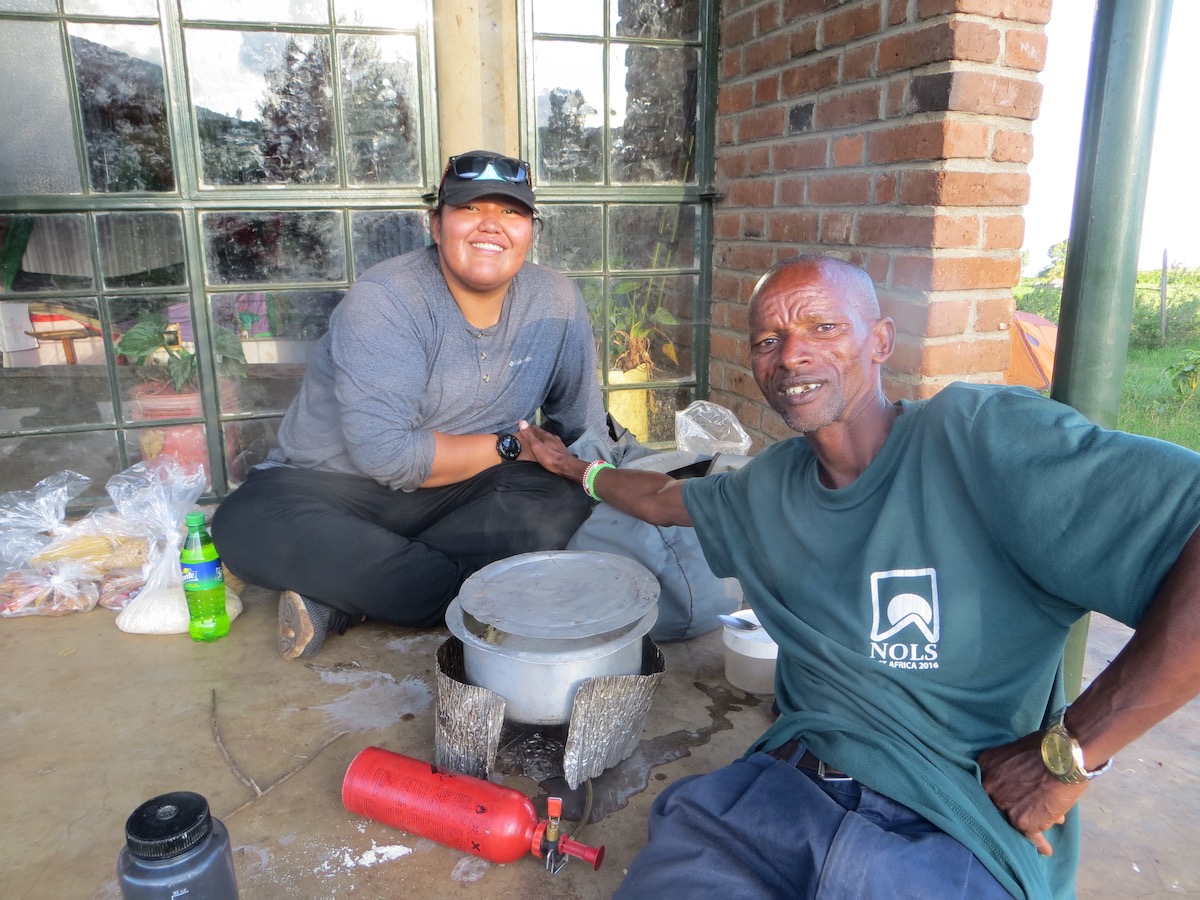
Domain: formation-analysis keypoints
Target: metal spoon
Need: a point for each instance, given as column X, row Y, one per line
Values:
column 738, row 622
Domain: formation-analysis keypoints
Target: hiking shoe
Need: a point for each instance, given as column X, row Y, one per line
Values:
column 303, row 625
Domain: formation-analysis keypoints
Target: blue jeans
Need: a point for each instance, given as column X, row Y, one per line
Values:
column 762, row 828
column 395, row 556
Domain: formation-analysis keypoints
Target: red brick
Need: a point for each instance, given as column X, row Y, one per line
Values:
column 957, row 273
column 797, row 9
column 966, row 139
column 792, row 226
column 912, row 272
column 758, row 160
column 840, row 189
column 984, row 189
column 1004, row 232
column 897, row 12
column 767, row 52
column 754, row 225
column 762, row 123
column 766, row 90
column 724, row 285
column 732, row 164
column 924, row 140
column 737, row 29
column 925, row 319
column 752, row 193
column 893, row 230
column 750, row 257
column 848, row 150
column 897, row 95
column 728, row 348
column 965, row 357
column 731, row 64
column 848, row 109
column 735, row 98
column 836, row 227
column 859, row 63
column 990, row 94
column 1025, row 50
column 1036, row 12
column 955, row 231
column 962, row 41
column 726, row 225
column 850, row 25
column 810, row 153
column 885, row 188
column 804, row 40
column 994, row 313
column 766, row 18
column 921, row 187
column 1013, row 146
column 799, row 80
column 792, row 192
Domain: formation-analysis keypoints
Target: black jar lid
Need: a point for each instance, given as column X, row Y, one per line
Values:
column 168, row 825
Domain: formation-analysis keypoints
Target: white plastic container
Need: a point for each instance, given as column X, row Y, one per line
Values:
column 750, row 657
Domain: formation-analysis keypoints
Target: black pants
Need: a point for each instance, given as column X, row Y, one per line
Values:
column 353, row 544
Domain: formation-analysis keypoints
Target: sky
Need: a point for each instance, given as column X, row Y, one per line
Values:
column 1172, row 209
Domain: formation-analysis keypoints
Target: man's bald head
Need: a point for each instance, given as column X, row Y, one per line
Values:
column 857, row 287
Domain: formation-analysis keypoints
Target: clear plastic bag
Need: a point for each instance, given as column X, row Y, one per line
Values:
column 709, row 428
column 30, row 520
column 52, row 591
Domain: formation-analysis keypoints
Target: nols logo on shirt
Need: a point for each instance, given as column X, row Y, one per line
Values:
column 906, row 622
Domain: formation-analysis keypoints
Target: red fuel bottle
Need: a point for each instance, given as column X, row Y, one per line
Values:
column 476, row 816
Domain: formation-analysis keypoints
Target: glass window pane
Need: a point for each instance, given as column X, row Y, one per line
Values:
column 27, row 5
column 45, row 253
column 246, row 247
column 119, row 72
column 569, row 85
column 556, row 17
column 652, row 237
column 127, row 9
column 570, row 238
column 650, row 325
column 278, row 331
column 381, row 108
column 252, row 440
column 653, row 96
column 263, row 105
column 382, row 234
column 24, row 461
column 677, row 19
column 39, row 156
column 299, row 12
column 141, row 249
column 405, row 14
column 53, row 364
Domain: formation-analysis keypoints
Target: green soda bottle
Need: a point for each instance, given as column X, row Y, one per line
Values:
column 203, row 582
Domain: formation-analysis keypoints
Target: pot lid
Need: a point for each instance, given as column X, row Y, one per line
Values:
column 560, row 593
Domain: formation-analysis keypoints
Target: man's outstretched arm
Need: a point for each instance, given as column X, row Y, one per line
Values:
column 650, row 496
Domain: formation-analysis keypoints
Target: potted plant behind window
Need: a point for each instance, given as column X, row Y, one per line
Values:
column 637, row 324
column 171, row 387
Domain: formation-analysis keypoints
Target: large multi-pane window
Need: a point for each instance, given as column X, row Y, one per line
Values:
column 186, row 190
column 188, row 187
column 620, row 116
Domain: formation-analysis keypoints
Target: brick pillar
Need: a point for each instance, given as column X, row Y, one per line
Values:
column 896, row 134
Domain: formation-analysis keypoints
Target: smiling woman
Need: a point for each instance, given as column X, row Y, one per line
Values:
column 398, row 473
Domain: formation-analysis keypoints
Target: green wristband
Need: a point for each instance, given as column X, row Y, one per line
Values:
column 589, row 477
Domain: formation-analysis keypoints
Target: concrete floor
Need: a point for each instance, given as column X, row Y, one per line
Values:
column 96, row 721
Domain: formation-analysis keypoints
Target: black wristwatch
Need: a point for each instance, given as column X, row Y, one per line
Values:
column 508, row 447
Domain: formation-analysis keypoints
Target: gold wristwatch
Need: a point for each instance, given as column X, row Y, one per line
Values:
column 1064, row 757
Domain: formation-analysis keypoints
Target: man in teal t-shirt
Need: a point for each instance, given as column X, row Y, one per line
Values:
column 920, row 565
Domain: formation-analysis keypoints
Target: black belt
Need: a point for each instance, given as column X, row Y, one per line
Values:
column 808, row 762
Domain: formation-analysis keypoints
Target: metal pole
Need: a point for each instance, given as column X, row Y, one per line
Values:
column 1128, row 45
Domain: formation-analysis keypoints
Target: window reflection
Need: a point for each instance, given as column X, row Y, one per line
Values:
column 379, row 103
column 652, row 237
column 556, row 17
column 300, row 12
column 569, row 239
column 248, row 247
column 118, row 69
column 405, row 14
column 39, row 156
column 129, row 9
column 654, row 135
column 45, row 253
column 382, row 234
column 141, row 249
column 264, row 106
column 656, row 18
column 569, row 82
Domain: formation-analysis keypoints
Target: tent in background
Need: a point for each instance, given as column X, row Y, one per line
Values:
column 1032, row 359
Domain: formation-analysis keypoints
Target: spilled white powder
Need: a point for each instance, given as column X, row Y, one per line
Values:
column 377, row 701
column 470, row 869
column 345, row 858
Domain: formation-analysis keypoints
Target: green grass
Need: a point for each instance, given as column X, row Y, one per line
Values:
column 1151, row 406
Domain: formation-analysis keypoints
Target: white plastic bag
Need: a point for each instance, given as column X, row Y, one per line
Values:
column 709, row 428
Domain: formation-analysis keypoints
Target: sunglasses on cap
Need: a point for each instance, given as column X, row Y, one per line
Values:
column 502, row 168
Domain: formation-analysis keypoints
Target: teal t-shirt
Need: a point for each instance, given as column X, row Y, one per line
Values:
column 922, row 611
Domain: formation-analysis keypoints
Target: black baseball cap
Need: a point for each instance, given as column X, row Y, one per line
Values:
column 482, row 173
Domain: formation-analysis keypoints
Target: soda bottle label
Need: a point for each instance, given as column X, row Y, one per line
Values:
column 202, row 574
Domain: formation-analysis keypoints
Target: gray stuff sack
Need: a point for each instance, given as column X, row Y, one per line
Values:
column 691, row 595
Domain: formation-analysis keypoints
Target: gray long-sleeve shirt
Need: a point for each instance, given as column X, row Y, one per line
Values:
column 400, row 362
